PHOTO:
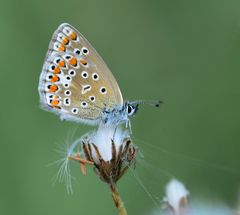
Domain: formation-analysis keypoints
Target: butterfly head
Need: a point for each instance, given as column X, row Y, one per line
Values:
column 131, row 109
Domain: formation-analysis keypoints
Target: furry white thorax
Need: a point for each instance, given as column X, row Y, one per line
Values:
column 103, row 137
column 115, row 116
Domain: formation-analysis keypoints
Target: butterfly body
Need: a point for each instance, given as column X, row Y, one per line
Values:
column 77, row 85
column 118, row 115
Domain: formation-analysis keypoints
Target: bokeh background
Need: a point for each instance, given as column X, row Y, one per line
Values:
column 185, row 53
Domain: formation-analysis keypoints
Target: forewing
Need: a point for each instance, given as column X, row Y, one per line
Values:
column 75, row 83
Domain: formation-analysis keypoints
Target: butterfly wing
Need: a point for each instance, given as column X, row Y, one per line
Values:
column 75, row 83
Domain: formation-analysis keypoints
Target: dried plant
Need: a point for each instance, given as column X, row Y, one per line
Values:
column 111, row 152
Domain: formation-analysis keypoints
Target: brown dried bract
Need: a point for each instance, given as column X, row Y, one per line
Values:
column 122, row 158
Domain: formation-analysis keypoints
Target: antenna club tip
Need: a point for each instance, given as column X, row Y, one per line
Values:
column 158, row 103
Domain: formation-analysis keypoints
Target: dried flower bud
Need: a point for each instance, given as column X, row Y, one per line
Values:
column 111, row 151
column 176, row 200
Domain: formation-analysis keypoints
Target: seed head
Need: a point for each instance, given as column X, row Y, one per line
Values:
column 111, row 151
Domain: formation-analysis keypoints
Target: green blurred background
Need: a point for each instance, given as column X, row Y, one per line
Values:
column 183, row 52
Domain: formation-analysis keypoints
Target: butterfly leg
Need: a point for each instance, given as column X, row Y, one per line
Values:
column 81, row 161
column 128, row 125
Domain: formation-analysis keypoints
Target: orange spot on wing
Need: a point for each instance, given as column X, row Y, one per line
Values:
column 54, row 102
column 62, row 63
column 73, row 61
column 62, row 48
column 56, row 70
column 73, row 36
column 82, row 61
column 55, row 78
column 65, row 41
column 53, row 88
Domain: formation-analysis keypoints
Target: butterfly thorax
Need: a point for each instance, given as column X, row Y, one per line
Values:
column 119, row 114
column 114, row 116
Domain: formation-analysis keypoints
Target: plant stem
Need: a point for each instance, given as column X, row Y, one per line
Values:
column 117, row 200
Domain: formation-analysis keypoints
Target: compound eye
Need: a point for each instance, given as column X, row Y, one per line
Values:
column 130, row 110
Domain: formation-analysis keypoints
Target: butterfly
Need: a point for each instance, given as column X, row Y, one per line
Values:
column 77, row 85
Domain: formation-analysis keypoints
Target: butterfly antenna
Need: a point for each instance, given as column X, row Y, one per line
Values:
column 155, row 103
